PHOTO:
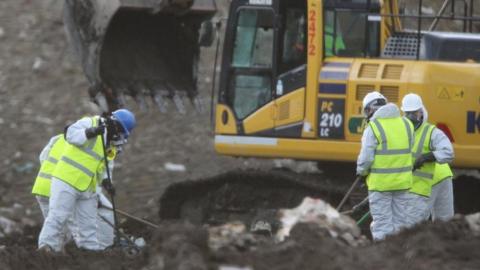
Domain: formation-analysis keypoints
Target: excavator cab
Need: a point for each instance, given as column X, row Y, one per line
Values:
column 264, row 58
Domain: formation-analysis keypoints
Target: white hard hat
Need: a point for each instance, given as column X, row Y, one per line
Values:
column 411, row 103
column 371, row 97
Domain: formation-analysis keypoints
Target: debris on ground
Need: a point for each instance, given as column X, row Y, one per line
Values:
column 173, row 167
column 13, row 219
column 235, row 237
column 180, row 245
column 319, row 213
column 473, row 222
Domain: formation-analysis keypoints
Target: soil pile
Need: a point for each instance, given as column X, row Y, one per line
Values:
column 451, row 245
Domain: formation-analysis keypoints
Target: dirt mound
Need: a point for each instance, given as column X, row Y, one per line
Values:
column 18, row 252
column 440, row 245
column 179, row 246
column 429, row 246
column 450, row 245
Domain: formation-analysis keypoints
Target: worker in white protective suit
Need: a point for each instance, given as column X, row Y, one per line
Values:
column 74, row 179
column 385, row 160
column 49, row 157
column 432, row 176
column 41, row 188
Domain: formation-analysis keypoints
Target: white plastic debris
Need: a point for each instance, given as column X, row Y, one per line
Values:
column 473, row 221
column 8, row 226
column 232, row 267
column 320, row 213
column 37, row 64
column 140, row 242
column 174, row 167
column 296, row 166
column 43, row 120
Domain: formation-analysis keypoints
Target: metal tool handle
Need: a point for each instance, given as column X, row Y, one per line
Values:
column 356, row 207
column 123, row 213
column 112, row 196
column 342, row 202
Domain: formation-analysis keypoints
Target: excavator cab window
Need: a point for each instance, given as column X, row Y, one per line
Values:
column 351, row 29
column 252, row 61
column 294, row 39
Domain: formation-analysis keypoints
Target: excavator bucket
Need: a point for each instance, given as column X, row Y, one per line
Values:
column 139, row 48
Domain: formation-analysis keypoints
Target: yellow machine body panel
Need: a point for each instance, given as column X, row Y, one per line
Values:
column 449, row 92
column 261, row 119
column 324, row 116
column 290, row 108
column 222, row 115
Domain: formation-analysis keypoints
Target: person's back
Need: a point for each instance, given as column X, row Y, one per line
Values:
column 392, row 167
column 385, row 159
column 432, row 187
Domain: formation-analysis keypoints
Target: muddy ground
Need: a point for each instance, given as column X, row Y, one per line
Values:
column 42, row 89
column 180, row 246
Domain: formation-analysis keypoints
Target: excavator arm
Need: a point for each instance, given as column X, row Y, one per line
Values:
column 140, row 48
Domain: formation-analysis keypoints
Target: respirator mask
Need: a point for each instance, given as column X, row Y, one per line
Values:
column 416, row 117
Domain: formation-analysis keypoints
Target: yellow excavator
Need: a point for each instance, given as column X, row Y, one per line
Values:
column 293, row 76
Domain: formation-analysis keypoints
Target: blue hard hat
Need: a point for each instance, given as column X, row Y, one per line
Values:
column 126, row 119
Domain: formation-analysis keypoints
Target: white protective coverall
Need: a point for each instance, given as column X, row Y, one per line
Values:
column 420, row 207
column 440, row 203
column 43, row 202
column 65, row 200
column 388, row 209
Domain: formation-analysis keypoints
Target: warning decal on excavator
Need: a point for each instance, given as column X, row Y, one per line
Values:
column 331, row 118
column 450, row 93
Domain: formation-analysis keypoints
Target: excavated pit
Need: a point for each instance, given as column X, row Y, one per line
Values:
column 249, row 196
column 466, row 194
column 246, row 196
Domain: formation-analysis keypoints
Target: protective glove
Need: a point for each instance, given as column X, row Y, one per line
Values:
column 362, row 177
column 108, row 186
column 94, row 131
column 428, row 157
column 363, row 180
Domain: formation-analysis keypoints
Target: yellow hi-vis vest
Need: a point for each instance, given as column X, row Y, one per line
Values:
column 78, row 165
column 41, row 187
column 423, row 177
column 392, row 166
column 442, row 172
